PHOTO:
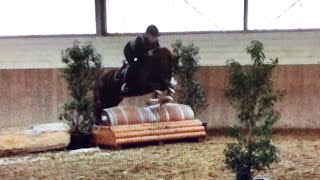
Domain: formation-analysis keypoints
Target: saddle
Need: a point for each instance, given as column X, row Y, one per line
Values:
column 120, row 74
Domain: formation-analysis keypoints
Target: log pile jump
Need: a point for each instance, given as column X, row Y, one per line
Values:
column 40, row 137
column 158, row 123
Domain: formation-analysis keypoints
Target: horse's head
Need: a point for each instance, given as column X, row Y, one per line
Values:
column 168, row 61
column 167, row 64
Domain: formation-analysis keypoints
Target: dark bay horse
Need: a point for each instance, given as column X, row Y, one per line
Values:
column 154, row 73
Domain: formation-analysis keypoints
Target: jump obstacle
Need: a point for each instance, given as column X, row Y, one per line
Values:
column 124, row 125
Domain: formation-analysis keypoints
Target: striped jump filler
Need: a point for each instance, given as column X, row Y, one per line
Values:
column 132, row 125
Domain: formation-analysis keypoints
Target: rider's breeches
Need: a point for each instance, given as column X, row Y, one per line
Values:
column 131, row 74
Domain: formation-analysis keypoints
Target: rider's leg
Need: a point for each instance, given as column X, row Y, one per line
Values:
column 128, row 86
column 128, row 53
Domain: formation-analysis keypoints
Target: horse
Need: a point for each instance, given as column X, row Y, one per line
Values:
column 155, row 74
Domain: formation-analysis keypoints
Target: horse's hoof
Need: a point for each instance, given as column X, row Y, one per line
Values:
column 166, row 99
column 157, row 92
column 153, row 101
column 171, row 90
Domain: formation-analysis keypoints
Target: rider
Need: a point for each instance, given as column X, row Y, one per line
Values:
column 135, row 50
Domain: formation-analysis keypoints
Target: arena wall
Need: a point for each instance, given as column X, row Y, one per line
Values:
column 31, row 88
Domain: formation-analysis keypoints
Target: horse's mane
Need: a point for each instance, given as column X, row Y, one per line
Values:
column 163, row 51
column 163, row 60
column 163, row 54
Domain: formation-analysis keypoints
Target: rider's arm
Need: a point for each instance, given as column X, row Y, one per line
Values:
column 128, row 53
column 138, row 47
column 134, row 49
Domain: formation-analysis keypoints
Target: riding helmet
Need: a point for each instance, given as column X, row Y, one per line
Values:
column 152, row 30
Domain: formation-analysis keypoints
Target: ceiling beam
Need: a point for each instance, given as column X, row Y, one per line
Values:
column 101, row 21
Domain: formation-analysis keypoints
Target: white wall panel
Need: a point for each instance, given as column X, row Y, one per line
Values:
column 293, row 47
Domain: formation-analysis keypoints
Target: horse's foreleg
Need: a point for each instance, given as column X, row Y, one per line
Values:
column 155, row 99
column 170, row 91
column 169, row 97
column 159, row 98
column 172, row 86
column 156, row 94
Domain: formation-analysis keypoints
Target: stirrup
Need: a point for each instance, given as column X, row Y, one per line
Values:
column 124, row 88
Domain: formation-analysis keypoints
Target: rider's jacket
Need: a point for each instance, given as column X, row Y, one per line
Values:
column 139, row 48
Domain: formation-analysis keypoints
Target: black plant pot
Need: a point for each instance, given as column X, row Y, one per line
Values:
column 243, row 177
column 244, row 174
column 79, row 140
column 247, row 176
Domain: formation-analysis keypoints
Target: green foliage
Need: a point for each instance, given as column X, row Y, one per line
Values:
column 191, row 92
column 82, row 72
column 251, row 93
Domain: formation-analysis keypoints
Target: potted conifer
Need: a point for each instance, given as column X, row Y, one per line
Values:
column 251, row 93
column 81, row 74
column 190, row 91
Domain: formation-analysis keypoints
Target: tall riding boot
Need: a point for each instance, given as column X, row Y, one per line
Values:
column 129, row 79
